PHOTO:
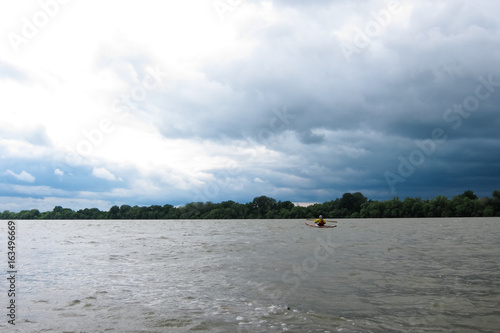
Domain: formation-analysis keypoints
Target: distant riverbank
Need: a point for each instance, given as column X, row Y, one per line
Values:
column 351, row 205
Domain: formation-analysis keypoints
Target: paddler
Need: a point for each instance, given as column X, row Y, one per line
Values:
column 321, row 222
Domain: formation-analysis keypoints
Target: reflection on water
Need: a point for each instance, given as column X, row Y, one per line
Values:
column 419, row 275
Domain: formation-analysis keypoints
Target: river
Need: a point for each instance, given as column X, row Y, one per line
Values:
column 366, row 275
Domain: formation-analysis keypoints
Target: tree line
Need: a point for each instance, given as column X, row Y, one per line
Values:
column 350, row 205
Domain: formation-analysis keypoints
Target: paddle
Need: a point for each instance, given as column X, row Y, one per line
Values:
column 313, row 219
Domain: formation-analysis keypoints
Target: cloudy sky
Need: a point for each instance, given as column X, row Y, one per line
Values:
column 155, row 102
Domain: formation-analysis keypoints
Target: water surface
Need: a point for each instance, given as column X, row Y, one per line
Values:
column 398, row 275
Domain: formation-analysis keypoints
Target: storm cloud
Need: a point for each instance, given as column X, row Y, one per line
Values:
column 302, row 101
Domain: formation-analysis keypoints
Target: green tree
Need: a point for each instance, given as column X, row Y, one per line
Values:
column 55, row 214
column 413, row 207
column 495, row 202
column 287, row 205
column 372, row 209
column 135, row 213
column 91, row 214
column 28, row 214
column 67, row 214
column 469, row 194
column 463, row 206
column 315, row 210
column 114, row 213
column 438, row 207
column 262, row 205
column 351, row 203
column 193, row 210
column 124, row 211
column 393, row 208
column 169, row 212
column 489, row 211
column 6, row 215
column 298, row 212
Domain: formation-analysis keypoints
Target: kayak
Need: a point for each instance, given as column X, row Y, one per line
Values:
column 314, row 225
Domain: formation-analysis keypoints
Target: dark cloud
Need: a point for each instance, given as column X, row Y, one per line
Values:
column 351, row 121
column 307, row 137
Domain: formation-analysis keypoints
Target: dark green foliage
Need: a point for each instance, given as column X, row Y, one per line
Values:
column 351, row 205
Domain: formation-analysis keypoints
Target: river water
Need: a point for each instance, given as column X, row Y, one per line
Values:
column 398, row 275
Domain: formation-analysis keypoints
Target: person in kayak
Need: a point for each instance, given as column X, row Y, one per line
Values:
column 320, row 222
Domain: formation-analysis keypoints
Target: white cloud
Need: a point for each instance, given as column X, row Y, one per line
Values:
column 304, row 204
column 23, row 176
column 37, row 191
column 211, row 123
column 103, row 173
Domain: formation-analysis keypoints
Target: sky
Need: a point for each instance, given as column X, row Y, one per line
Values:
column 169, row 102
